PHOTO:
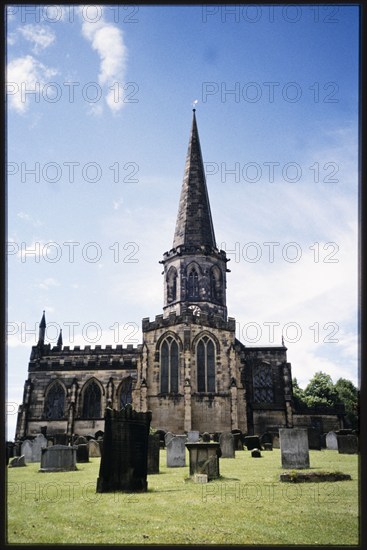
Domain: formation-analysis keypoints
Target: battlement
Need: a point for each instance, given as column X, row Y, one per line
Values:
column 195, row 250
column 205, row 319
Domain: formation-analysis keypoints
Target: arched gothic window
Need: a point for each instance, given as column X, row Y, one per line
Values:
column 205, row 364
column 171, row 285
column 193, row 285
column 126, row 392
column 55, row 402
column 263, row 384
column 216, row 284
column 169, row 365
column 92, row 401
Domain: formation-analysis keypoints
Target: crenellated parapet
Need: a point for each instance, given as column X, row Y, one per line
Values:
column 190, row 317
column 194, row 250
column 84, row 358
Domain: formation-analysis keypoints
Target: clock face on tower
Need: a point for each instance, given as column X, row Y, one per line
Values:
column 196, row 310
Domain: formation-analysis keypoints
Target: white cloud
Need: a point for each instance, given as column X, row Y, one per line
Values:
column 26, row 74
column 27, row 218
column 117, row 204
column 107, row 40
column 40, row 36
column 46, row 284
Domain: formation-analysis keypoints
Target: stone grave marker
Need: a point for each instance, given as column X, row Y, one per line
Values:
column 193, row 436
column 205, row 437
column 276, row 442
column 17, row 461
column 226, row 442
column 39, row 443
column 323, row 441
column 294, row 448
column 167, row 437
column 238, row 440
column 347, row 444
column 26, row 450
column 153, row 454
column 266, row 438
column 255, row 453
column 58, row 458
column 82, row 453
column 252, row 442
column 124, row 460
column 267, row 446
column 200, row 478
column 314, row 439
column 80, row 440
column 176, row 451
column 94, row 448
column 204, row 459
column 331, row 441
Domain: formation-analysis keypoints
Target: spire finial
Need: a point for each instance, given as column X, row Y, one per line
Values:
column 194, row 104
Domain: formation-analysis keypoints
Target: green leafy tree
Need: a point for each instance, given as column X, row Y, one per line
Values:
column 321, row 391
column 349, row 395
column 298, row 394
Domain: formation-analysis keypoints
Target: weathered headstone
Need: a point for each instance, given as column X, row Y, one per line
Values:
column 94, row 448
column 80, row 440
column 58, row 458
column 255, row 453
column 323, row 441
column 167, row 437
column 200, row 478
column 176, row 451
column 205, row 437
column 294, row 448
column 39, row 443
column 153, row 454
column 267, row 446
column 193, row 436
column 252, row 442
column 216, row 436
column 347, row 444
column 204, row 459
column 276, row 442
column 266, row 438
column 314, row 439
column 98, row 434
column 17, row 461
column 124, row 460
column 26, row 450
column 61, row 439
column 332, row 441
column 82, row 453
column 226, row 441
column 238, row 440
column 161, row 434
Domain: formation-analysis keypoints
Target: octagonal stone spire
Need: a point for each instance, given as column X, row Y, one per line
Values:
column 194, row 226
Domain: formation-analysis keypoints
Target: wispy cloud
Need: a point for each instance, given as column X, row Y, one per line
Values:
column 39, row 35
column 27, row 218
column 47, row 283
column 107, row 40
column 25, row 74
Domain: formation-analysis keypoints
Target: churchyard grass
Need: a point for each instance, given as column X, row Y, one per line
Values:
column 247, row 505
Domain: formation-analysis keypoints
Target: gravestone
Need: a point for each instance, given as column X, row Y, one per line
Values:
column 238, row 438
column 226, row 442
column 17, row 461
column 82, row 453
column 294, row 448
column 216, row 436
column 193, row 436
column 26, row 450
column 314, row 439
column 153, row 454
column 323, row 441
column 255, row 453
column 176, row 452
column 266, row 438
column 168, row 436
column 80, row 440
column 50, row 442
column 347, row 444
column 200, row 478
column 205, row 437
column 39, row 443
column 124, row 460
column 61, row 439
column 267, row 446
column 252, row 442
column 58, row 458
column 161, row 434
column 94, row 448
column 9, row 451
column 204, row 459
column 332, row 441
column 276, row 442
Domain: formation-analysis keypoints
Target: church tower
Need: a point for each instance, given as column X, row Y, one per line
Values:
column 189, row 373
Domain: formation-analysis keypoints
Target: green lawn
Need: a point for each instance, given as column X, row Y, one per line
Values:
column 248, row 505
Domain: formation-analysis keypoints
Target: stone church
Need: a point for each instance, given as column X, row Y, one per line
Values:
column 190, row 369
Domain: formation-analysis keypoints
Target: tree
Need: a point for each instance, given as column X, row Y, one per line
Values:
column 298, row 395
column 320, row 391
column 349, row 395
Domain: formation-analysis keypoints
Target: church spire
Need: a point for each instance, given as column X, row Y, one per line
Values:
column 42, row 330
column 194, row 226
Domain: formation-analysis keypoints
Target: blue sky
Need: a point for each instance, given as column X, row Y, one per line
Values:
column 106, row 134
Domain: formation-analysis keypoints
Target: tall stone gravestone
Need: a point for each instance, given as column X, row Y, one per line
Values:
column 331, row 441
column 226, row 441
column 294, row 448
column 314, row 438
column 204, row 459
column 193, row 436
column 82, row 453
column 39, row 443
column 124, row 461
column 153, row 454
column 94, row 448
column 252, row 442
column 176, row 451
column 58, row 458
column 26, row 451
